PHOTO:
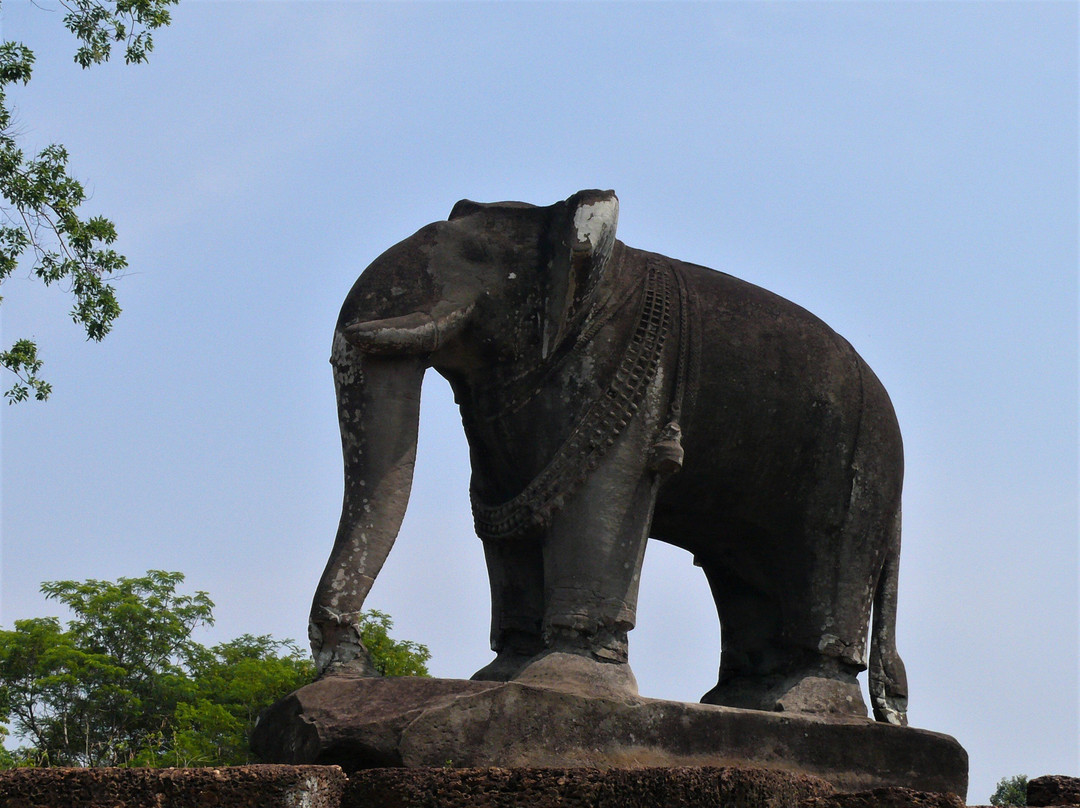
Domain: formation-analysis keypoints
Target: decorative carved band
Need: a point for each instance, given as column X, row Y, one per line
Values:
column 606, row 417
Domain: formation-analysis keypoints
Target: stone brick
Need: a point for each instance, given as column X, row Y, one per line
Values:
column 1053, row 789
column 687, row 787
column 266, row 786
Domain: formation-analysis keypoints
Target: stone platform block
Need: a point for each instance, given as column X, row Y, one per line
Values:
column 580, row 788
column 228, row 787
column 328, row 787
column 361, row 723
column 1053, row 790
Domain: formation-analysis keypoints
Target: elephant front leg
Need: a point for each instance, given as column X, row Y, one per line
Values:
column 592, row 562
column 516, row 571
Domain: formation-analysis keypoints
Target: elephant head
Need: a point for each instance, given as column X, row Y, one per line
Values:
column 483, row 297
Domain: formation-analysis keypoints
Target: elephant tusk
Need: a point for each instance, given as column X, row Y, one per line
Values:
column 416, row 333
column 413, row 333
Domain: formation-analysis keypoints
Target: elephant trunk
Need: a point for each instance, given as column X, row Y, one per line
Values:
column 378, row 409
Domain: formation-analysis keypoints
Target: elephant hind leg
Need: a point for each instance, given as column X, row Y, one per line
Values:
column 751, row 624
column 760, row 668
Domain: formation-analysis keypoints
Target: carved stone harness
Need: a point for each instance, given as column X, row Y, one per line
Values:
column 605, row 418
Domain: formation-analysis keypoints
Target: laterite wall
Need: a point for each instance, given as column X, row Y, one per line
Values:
column 329, row 787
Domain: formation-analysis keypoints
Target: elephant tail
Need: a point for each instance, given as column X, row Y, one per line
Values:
column 888, row 679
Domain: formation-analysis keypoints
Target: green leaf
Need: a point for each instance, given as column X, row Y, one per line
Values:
column 391, row 657
column 40, row 201
column 22, row 360
column 1011, row 791
column 124, row 683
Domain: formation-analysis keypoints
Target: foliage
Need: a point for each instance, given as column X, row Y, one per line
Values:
column 235, row 682
column 125, row 684
column 391, row 657
column 103, row 691
column 1010, row 791
column 39, row 199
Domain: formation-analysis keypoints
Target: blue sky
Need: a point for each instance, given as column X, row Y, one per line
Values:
column 907, row 171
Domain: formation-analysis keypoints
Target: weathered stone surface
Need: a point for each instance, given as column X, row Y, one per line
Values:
column 265, row 786
column 1053, row 789
column 610, row 395
column 364, row 723
column 885, row 798
column 441, row 787
column 582, row 788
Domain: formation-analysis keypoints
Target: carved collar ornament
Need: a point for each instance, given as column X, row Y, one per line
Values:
column 605, row 417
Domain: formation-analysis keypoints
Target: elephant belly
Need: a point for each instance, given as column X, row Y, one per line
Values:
column 777, row 409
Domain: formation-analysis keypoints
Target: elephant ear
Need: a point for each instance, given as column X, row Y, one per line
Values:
column 464, row 207
column 582, row 238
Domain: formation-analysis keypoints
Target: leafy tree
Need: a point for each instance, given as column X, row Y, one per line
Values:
column 1010, row 791
column 235, row 682
column 103, row 692
column 391, row 657
column 40, row 200
column 7, row 760
column 125, row 684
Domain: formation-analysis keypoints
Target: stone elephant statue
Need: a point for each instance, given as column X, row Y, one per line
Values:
column 610, row 395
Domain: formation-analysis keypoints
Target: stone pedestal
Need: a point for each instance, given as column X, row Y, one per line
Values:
column 361, row 723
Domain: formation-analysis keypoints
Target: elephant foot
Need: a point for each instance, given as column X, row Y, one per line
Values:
column 503, row 668
column 360, row 667
column 580, row 674
column 817, row 692
column 338, row 651
column 514, row 648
